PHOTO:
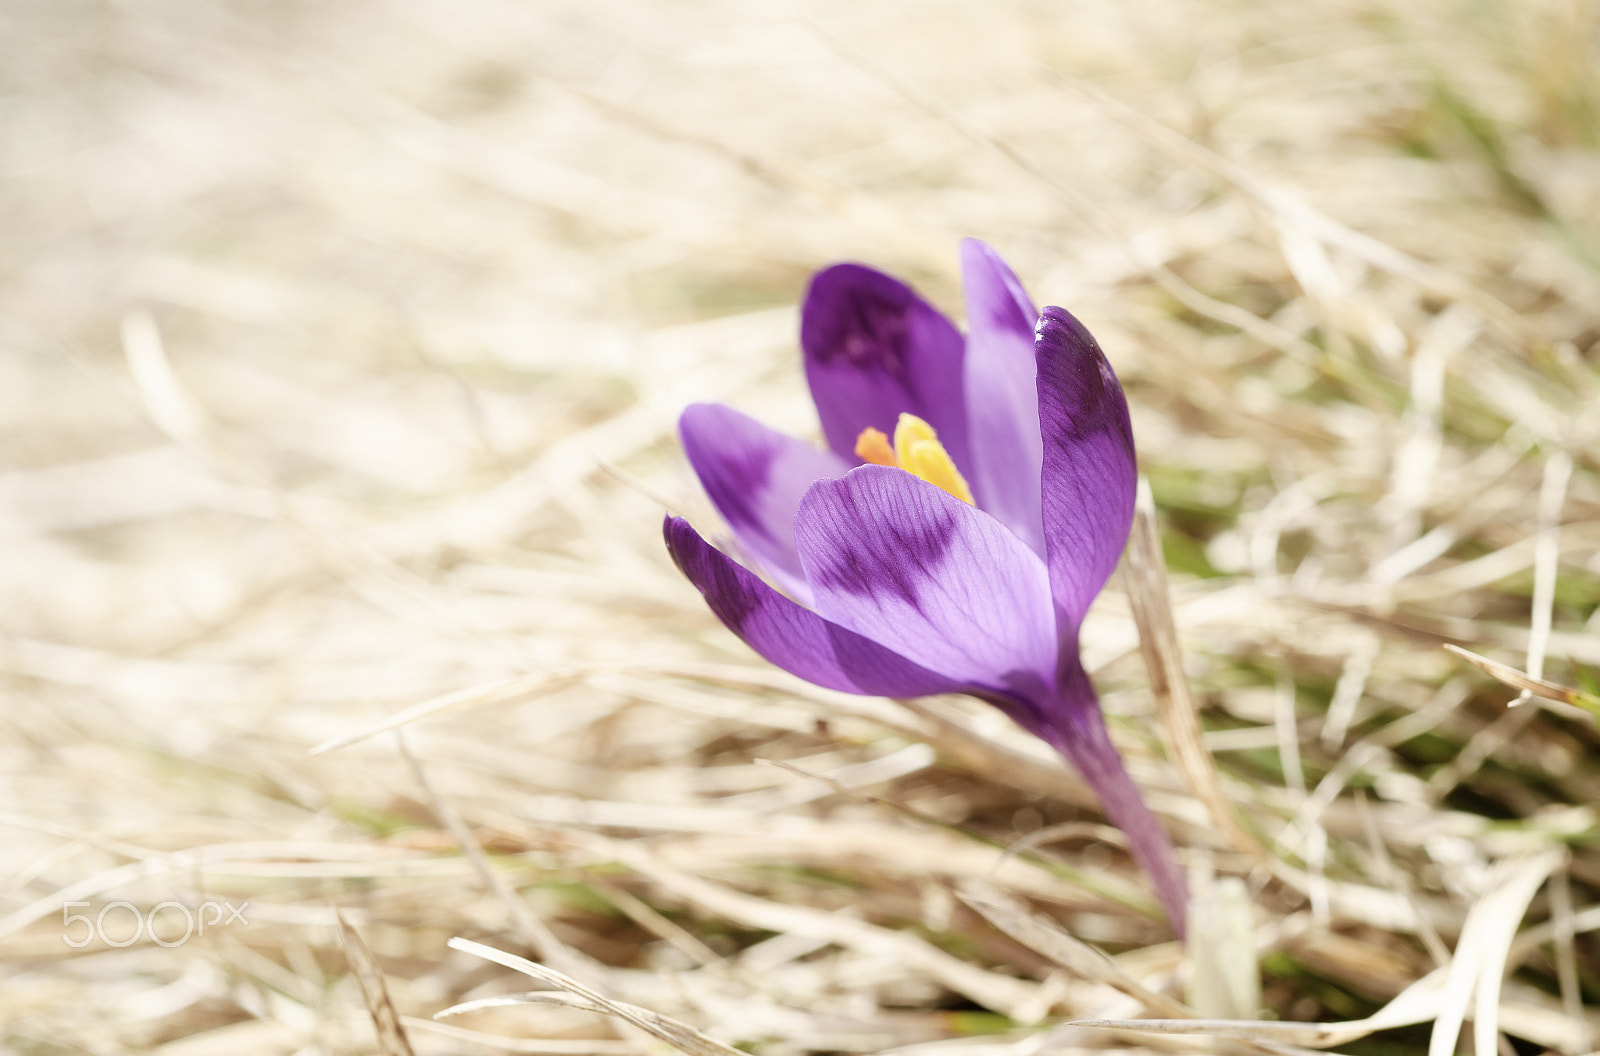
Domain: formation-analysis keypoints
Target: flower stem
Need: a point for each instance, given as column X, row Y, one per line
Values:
column 1085, row 743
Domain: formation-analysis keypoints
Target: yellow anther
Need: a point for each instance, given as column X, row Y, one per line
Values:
column 916, row 450
column 929, row 460
column 911, row 430
column 873, row 446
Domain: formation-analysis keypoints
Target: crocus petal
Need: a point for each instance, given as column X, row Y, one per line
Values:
column 930, row 577
column 792, row 637
column 874, row 349
column 1089, row 470
column 1002, row 395
column 755, row 477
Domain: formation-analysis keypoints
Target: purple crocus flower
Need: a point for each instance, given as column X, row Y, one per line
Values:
column 961, row 557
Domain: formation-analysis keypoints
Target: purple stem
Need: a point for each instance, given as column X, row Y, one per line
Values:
column 1081, row 737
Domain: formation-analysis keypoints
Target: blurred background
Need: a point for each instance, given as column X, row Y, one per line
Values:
column 341, row 348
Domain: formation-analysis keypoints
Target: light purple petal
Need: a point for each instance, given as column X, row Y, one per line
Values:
column 755, row 476
column 874, row 349
column 794, row 638
column 1089, row 470
column 1077, row 729
column 1002, row 394
column 941, row 583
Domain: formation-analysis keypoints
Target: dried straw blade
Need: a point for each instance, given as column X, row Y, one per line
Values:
column 679, row 1035
column 391, row 1032
column 1418, row 1003
column 1526, row 683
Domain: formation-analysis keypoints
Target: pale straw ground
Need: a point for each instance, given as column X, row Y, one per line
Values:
column 342, row 349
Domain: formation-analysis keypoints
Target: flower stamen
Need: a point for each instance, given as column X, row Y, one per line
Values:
column 916, row 450
column 873, row 446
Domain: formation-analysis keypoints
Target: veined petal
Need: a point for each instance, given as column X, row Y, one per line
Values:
column 874, row 349
column 1089, row 472
column 924, row 574
column 792, row 637
column 755, row 477
column 1002, row 394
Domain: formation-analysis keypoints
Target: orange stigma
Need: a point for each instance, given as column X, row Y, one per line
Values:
column 873, row 446
column 916, row 450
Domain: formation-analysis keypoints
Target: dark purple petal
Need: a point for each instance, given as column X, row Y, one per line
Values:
column 1077, row 730
column 794, row 638
column 1089, row 470
column 874, row 349
column 755, row 476
column 1002, row 394
column 943, row 584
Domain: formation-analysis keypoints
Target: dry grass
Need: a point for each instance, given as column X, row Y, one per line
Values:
column 343, row 346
